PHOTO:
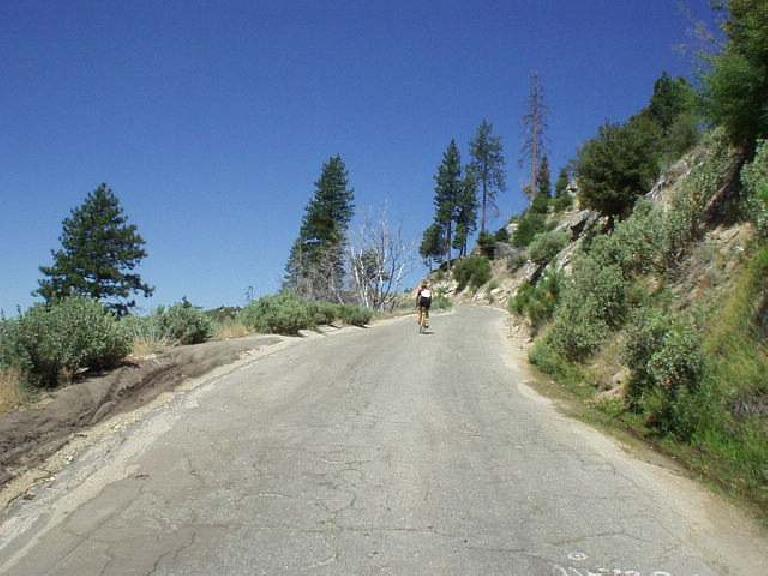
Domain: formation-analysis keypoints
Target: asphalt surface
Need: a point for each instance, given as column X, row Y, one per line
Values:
column 373, row 451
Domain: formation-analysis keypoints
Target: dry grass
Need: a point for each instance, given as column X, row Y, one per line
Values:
column 230, row 329
column 11, row 389
column 145, row 347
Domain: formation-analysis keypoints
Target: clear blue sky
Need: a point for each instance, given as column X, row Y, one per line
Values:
column 211, row 120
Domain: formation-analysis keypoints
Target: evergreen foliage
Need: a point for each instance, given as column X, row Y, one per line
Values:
column 618, row 166
column 735, row 90
column 539, row 204
column 432, row 245
column 488, row 163
column 562, row 199
column 449, row 193
column 315, row 266
column 624, row 160
column 466, row 212
column 98, row 256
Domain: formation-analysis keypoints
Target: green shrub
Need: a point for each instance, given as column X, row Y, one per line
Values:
column 592, row 302
column 683, row 221
column 355, row 315
column 754, row 177
column 143, row 327
column 325, row 312
column 279, row 314
column 51, row 343
column 185, row 324
column 619, row 165
column 501, row 235
column 538, row 302
column 473, row 271
column 578, row 329
column 547, row 245
column 519, row 302
column 440, row 300
column 635, row 244
column 531, row 224
column 487, row 244
column 664, row 352
column 545, row 357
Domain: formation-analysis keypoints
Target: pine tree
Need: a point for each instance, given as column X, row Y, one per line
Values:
column 432, row 247
column 466, row 211
column 562, row 200
column 618, row 166
column 488, row 164
column 561, row 186
column 315, row 266
column 98, row 256
column 448, row 192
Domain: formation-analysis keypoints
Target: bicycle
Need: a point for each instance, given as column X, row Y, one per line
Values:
column 423, row 319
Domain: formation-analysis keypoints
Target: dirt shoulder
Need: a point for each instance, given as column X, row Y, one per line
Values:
column 30, row 435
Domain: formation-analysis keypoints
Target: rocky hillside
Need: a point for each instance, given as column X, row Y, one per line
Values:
column 660, row 323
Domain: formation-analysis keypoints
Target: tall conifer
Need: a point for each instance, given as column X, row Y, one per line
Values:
column 98, row 257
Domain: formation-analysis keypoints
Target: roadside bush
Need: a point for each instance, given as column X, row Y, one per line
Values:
column 605, row 284
column 578, row 329
column 593, row 301
column 754, row 178
column 538, row 302
column 473, row 271
column 547, row 245
column 184, row 323
column 146, row 334
column 52, row 343
column 664, row 352
column 325, row 312
column 279, row 314
column 440, row 301
column 355, row 315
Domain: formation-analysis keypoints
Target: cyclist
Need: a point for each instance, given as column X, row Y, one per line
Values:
column 423, row 301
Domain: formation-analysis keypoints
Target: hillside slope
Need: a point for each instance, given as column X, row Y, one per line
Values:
column 660, row 324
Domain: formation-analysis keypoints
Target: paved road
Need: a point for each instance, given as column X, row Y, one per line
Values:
column 378, row 451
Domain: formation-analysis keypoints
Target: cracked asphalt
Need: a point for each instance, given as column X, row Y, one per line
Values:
column 377, row 451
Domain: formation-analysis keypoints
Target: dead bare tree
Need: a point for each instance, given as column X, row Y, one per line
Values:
column 534, row 124
column 318, row 274
column 379, row 260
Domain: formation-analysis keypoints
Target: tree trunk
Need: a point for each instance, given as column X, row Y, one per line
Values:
column 485, row 197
